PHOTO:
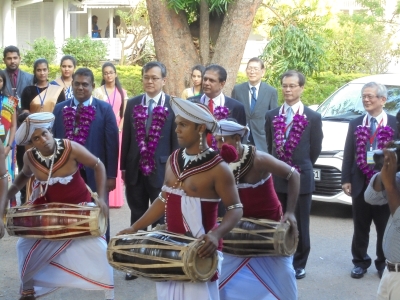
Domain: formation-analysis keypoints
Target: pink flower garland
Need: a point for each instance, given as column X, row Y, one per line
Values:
column 362, row 133
column 285, row 150
column 78, row 132
column 220, row 113
column 147, row 149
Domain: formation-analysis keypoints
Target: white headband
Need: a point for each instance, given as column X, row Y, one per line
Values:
column 31, row 123
column 228, row 128
column 194, row 112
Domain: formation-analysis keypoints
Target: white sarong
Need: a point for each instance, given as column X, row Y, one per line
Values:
column 261, row 278
column 179, row 290
column 80, row 263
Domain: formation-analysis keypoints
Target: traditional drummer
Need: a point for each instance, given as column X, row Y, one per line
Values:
column 266, row 277
column 46, row 265
column 196, row 179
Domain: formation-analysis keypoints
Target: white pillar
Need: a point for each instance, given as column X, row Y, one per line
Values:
column 58, row 27
column 111, row 42
column 67, row 21
column 9, row 30
column 89, row 14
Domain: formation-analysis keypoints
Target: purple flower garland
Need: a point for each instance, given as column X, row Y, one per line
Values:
column 384, row 135
column 147, row 149
column 80, row 132
column 285, row 150
column 220, row 113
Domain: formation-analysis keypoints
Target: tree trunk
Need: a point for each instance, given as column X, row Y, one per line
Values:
column 204, row 32
column 173, row 44
column 233, row 36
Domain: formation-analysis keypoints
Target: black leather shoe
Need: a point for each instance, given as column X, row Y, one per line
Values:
column 300, row 273
column 358, row 272
column 129, row 276
column 380, row 273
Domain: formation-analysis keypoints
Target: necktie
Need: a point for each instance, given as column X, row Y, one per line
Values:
column 211, row 105
column 373, row 129
column 14, row 78
column 289, row 119
column 253, row 98
column 150, row 115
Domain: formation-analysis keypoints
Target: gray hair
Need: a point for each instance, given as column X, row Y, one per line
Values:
column 381, row 90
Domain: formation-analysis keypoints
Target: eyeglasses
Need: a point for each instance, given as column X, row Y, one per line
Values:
column 290, row 86
column 148, row 79
column 255, row 70
column 369, row 97
column 108, row 73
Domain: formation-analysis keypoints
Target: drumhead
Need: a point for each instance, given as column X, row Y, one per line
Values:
column 196, row 268
column 285, row 243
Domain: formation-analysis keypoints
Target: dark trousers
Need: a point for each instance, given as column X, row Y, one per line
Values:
column 302, row 214
column 138, row 197
column 20, row 163
column 363, row 215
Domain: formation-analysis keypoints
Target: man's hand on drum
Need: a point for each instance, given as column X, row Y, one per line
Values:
column 209, row 246
column 103, row 207
column 290, row 217
column 128, row 230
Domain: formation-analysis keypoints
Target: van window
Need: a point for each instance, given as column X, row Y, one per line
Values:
column 346, row 103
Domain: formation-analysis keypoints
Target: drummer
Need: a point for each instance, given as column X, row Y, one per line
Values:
column 46, row 265
column 196, row 179
column 258, row 277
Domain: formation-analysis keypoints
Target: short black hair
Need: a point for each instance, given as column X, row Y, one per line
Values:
column 153, row 64
column 10, row 49
column 199, row 68
column 84, row 72
column 256, row 59
column 222, row 75
column 292, row 73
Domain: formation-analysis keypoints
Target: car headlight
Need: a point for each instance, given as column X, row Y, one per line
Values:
column 339, row 155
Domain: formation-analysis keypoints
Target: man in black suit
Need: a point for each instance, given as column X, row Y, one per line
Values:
column 257, row 97
column 284, row 127
column 355, row 181
column 214, row 79
column 141, row 184
column 16, row 81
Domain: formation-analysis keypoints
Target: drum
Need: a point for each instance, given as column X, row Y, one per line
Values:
column 260, row 237
column 55, row 221
column 160, row 256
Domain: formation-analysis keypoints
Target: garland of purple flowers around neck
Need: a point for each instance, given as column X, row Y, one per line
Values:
column 285, row 149
column 384, row 135
column 78, row 131
column 148, row 148
column 220, row 113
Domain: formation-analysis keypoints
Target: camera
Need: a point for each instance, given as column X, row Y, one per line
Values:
column 379, row 157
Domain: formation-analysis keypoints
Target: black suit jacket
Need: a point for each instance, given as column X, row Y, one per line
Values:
column 306, row 153
column 102, row 141
column 351, row 173
column 130, row 154
column 23, row 80
column 267, row 99
column 236, row 109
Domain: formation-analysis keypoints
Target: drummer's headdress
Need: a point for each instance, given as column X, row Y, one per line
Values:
column 228, row 128
column 31, row 123
column 194, row 112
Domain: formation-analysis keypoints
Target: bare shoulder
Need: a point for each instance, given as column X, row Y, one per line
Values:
column 222, row 171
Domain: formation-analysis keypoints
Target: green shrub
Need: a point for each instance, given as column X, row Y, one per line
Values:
column 41, row 48
column 88, row 52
